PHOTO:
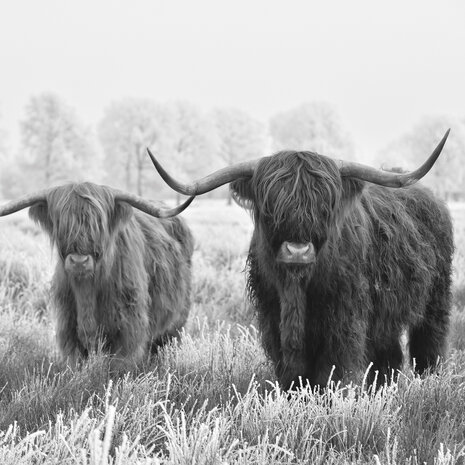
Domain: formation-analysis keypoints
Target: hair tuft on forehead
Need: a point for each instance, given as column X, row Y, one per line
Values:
column 298, row 190
column 81, row 216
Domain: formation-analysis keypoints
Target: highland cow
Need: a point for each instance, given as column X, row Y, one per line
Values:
column 123, row 277
column 343, row 259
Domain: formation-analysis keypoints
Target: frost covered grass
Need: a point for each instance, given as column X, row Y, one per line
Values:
column 210, row 398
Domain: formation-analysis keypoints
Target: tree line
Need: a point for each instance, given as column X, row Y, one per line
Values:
column 57, row 146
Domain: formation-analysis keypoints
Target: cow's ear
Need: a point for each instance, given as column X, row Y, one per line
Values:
column 122, row 214
column 242, row 193
column 40, row 214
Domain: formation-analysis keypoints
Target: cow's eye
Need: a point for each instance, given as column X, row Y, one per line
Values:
column 97, row 254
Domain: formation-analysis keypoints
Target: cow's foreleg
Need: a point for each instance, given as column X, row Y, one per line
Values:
column 292, row 330
column 129, row 337
column 68, row 341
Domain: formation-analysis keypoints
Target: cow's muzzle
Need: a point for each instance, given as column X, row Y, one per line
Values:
column 295, row 252
column 79, row 265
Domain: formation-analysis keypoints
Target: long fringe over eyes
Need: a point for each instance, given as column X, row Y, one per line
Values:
column 80, row 214
column 298, row 190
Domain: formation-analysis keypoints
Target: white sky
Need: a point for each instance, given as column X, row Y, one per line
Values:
column 382, row 64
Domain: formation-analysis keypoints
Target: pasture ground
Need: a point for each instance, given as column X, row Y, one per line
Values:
column 212, row 398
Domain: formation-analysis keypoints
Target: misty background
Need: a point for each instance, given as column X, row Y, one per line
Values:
column 87, row 86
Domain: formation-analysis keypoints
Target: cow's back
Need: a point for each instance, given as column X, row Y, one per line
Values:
column 411, row 249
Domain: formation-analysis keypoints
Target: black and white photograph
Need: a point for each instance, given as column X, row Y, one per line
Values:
column 232, row 233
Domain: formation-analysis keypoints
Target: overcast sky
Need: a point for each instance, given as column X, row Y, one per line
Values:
column 383, row 65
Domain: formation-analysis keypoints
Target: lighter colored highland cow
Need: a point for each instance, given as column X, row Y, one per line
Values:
column 123, row 277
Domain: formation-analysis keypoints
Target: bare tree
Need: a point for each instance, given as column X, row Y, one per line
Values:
column 5, row 161
column 3, row 139
column 447, row 178
column 128, row 127
column 311, row 126
column 57, row 145
column 193, row 141
column 241, row 137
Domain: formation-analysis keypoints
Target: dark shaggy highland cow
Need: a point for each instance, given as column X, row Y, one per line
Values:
column 122, row 275
column 343, row 258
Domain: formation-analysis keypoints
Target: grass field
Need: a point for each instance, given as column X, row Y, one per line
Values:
column 212, row 398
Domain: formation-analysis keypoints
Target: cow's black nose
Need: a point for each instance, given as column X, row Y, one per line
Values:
column 295, row 252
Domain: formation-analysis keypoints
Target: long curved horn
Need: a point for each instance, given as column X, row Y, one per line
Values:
column 24, row 202
column 387, row 178
column 149, row 207
column 210, row 182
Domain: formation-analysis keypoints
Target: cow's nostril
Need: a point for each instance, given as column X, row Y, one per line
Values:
column 300, row 249
column 79, row 259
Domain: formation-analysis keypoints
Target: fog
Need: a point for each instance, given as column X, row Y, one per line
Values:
column 382, row 66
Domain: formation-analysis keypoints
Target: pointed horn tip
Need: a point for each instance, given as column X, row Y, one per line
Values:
column 444, row 139
column 155, row 162
column 180, row 208
column 187, row 202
